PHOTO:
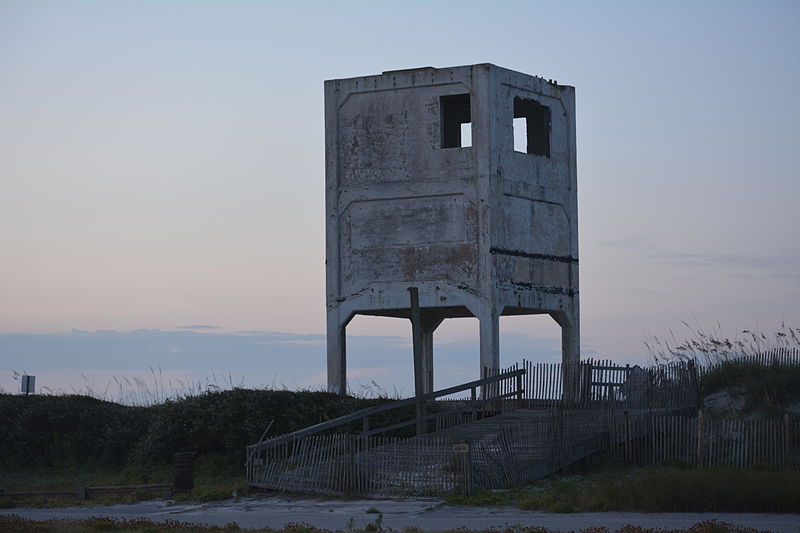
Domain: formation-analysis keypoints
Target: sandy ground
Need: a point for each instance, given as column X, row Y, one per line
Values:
column 425, row 514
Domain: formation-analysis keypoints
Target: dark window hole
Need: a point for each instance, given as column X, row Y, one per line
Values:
column 456, row 121
column 531, row 127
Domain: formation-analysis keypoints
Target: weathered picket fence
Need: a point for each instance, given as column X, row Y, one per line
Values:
column 602, row 382
column 518, row 424
column 785, row 356
column 519, row 451
column 598, row 383
column 701, row 441
column 274, row 462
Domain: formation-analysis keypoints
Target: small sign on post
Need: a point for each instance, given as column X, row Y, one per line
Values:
column 27, row 384
column 463, row 464
column 460, row 448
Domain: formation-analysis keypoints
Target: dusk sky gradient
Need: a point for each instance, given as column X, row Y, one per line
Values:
column 162, row 166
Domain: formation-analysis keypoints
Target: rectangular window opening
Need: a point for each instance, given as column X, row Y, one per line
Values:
column 536, row 119
column 466, row 134
column 521, row 135
column 456, row 121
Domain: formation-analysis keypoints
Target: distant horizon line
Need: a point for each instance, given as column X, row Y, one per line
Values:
column 204, row 330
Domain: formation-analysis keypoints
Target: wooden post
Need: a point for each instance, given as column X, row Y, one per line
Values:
column 470, row 474
column 627, row 436
column 586, row 392
column 352, row 473
column 700, row 433
column 625, row 380
column 416, row 335
column 365, row 433
column 694, row 381
column 474, row 397
column 653, row 436
column 787, row 441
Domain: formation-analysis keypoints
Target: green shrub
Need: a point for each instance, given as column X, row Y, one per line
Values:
column 62, row 431
column 225, row 422
column 73, row 432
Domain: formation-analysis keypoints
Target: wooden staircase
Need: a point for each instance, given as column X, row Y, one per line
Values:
column 512, row 429
column 511, row 447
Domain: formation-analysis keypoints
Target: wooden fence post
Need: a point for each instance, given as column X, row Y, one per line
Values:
column 474, row 397
column 694, row 380
column 586, row 390
column 352, row 473
column 787, row 441
column 700, row 430
column 462, row 454
column 627, row 436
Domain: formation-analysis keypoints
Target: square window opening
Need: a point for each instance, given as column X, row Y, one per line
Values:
column 466, row 134
column 536, row 127
column 456, row 121
column 521, row 135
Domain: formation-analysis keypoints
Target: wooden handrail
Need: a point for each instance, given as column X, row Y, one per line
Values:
column 433, row 416
column 369, row 411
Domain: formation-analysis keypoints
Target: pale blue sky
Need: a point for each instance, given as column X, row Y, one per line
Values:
column 161, row 162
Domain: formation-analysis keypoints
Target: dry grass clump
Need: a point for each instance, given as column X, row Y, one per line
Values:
column 764, row 369
column 710, row 347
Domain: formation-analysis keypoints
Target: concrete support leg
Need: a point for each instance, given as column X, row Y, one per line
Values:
column 570, row 354
column 571, row 358
column 416, row 341
column 430, row 321
column 337, row 354
column 490, row 340
column 571, row 344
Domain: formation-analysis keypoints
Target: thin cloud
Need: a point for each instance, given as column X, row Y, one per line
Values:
column 634, row 244
column 300, row 341
column 727, row 259
column 784, row 265
column 198, row 326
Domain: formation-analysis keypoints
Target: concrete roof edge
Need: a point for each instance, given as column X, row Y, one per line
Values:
column 489, row 66
column 415, row 69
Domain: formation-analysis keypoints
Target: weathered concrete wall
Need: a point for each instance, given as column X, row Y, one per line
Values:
column 481, row 230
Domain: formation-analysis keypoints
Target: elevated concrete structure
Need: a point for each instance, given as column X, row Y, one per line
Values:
column 424, row 189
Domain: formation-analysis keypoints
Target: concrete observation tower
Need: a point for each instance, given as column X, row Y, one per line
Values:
column 425, row 191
